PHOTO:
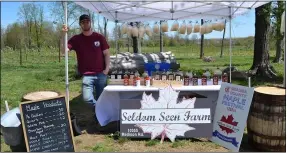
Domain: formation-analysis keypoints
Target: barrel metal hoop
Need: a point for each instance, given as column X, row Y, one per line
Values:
column 254, row 111
column 265, row 147
column 270, row 100
column 266, row 136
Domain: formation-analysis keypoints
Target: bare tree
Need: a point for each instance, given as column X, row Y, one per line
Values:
column 2, row 37
column 25, row 15
column 74, row 12
column 277, row 11
column 261, row 65
column 37, row 14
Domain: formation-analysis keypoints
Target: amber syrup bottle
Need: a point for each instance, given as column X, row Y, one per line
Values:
column 157, row 76
column 195, row 80
column 136, row 76
column 144, row 75
column 119, row 74
column 186, row 79
column 178, row 76
column 113, row 75
column 170, row 76
column 225, row 77
column 215, row 78
column 163, row 75
column 126, row 79
column 204, row 79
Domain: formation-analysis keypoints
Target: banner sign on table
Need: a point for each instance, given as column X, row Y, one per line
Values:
column 168, row 116
column 231, row 115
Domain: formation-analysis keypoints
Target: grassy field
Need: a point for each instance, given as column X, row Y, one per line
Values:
column 43, row 71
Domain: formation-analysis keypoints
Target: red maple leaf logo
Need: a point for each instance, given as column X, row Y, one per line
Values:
column 228, row 120
column 227, row 89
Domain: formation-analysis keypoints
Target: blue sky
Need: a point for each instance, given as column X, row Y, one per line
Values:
column 242, row 26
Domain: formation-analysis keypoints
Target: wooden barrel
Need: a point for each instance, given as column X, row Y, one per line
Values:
column 38, row 95
column 266, row 120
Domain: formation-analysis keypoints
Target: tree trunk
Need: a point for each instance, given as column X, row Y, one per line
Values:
column 201, row 43
column 279, row 48
column 105, row 27
column 261, row 65
column 279, row 37
column 221, row 52
column 30, row 34
column 37, row 36
column 135, row 39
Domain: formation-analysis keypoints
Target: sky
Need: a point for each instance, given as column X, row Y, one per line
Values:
column 242, row 26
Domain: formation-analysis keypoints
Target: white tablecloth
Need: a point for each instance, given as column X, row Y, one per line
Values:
column 108, row 104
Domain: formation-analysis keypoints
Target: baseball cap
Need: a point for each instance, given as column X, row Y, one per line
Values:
column 84, row 17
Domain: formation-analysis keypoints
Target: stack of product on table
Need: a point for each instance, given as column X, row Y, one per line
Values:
column 133, row 78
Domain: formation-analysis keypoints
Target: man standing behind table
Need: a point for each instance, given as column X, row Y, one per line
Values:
column 93, row 58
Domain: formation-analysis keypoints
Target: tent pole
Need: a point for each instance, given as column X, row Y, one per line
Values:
column 230, row 48
column 66, row 59
column 284, row 55
column 116, row 36
column 160, row 37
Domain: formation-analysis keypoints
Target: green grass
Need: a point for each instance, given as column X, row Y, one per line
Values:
column 177, row 144
column 151, row 143
column 101, row 147
column 43, row 71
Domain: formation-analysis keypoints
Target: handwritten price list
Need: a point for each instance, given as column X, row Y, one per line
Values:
column 47, row 126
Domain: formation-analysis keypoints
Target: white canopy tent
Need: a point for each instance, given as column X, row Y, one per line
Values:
column 122, row 11
column 140, row 11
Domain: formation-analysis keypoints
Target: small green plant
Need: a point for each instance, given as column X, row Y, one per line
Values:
column 177, row 144
column 100, row 147
column 151, row 143
column 122, row 140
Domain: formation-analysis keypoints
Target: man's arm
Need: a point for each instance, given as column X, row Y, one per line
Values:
column 105, row 47
column 69, row 46
column 107, row 60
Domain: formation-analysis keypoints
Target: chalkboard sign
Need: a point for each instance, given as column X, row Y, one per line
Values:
column 47, row 125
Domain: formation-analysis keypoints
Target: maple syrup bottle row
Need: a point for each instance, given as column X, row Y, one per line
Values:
column 119, row 74
column 131, row 78
column 192, row 79
column 168, row 75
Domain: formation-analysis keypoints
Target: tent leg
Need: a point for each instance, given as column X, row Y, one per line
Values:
column 230, row 48
column 66, row 59
column 116, row 38
column 284, row 77
column 284, row 40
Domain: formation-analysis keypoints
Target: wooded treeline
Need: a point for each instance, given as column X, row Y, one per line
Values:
column 33, row 31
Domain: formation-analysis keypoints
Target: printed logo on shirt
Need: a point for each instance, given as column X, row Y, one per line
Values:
column 97, row 43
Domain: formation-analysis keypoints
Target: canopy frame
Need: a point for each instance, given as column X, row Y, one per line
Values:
column 172, row 11
column 122, row 6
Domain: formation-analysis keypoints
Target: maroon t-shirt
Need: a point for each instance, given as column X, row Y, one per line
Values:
column 89, row 50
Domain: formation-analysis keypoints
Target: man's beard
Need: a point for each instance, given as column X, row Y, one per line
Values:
column 86, row 29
